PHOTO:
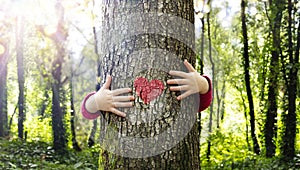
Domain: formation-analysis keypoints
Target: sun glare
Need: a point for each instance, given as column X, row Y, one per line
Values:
column 2, row 49
column 38, row 12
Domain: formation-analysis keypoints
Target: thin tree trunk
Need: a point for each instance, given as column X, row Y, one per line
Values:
column 245, row 115
column 91, row 140
column 200, row 69
column 3, row 89
column 256, row 147
column 21, row 78
column 59, row 131
column 73, row 114
column 138, row 37
column 45, row 102
column 277, row 7
column 213, row 80
column 290, row 121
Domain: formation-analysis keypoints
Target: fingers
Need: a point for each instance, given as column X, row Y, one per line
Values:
column 123, row 104
column 177, row 81
column 121, row 91
column 107, row 82
column 117, row 112
column 123, row 98
column 179, row 88
column 189, row 66
column 184, row 95
column 178, row 73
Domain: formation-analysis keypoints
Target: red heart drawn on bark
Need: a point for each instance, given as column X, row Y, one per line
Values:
column 146, row 90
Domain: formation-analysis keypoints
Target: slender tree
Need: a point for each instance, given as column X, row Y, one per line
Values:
column 58, row 38
column 73, row 114
column 21, row 77
column 91, row 140
column 4, row 54
column 213, row 80
column 277, row 7
column 290, row 119
column 246, row 62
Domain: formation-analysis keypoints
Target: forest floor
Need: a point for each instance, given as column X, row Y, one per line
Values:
column 19, row 155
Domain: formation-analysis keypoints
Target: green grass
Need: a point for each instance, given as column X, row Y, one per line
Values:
column 20, row 155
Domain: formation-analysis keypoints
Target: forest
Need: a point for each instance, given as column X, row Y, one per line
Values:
column 54, row 53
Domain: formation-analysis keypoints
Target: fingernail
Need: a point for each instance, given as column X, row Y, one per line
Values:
column 129, row 90
column 178, row 98
column 123, row 115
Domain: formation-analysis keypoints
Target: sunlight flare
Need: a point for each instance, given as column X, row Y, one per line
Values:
column 2, row 49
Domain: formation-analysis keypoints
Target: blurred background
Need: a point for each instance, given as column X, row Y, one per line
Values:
column 49, row 59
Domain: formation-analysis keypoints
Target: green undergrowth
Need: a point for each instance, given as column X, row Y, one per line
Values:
column 20, row 155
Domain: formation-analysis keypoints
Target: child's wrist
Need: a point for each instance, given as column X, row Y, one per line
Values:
column 203, row 85
column 91, row 105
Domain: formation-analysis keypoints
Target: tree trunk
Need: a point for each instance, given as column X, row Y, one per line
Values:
column 73, row 114
column 3, row 88
column 256, row 147
column 21, row 78
column 140, row 43
column 59, row 132
column 277, row 7
column 290, row 120
column 91, row 140
column 213, row 80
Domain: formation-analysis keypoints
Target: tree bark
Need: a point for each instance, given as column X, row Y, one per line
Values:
column 3, row 89
column 277, row 7
column 256, row 147
column 73, row 114
column 21, row 78
column 290, row 120
column 91, row 140
column 213, row 80
column 59, row 131
column 144, row 40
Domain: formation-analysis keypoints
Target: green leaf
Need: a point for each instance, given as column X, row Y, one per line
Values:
column 77, row 165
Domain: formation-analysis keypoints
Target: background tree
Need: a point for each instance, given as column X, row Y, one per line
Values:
column 4, row 54
column 21, row 76
column 291, row 69
column 276, row 8
column 246, row 61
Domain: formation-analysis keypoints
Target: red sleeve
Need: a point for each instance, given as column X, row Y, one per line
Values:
column 205, row 99
column 86, row 114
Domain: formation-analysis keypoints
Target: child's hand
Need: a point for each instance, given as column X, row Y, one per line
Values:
column 109, row 100
column 190, row 83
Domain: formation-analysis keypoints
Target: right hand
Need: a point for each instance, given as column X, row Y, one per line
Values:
column 110, row 100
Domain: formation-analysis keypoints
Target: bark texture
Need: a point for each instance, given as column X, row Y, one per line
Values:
column 140, row 43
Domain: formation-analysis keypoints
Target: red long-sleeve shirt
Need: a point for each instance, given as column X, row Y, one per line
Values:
column 205, row 100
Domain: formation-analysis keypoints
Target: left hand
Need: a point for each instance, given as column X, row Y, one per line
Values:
column 191, row 82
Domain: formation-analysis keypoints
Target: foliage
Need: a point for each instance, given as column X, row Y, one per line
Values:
column 230, row 152
column 16, row 154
